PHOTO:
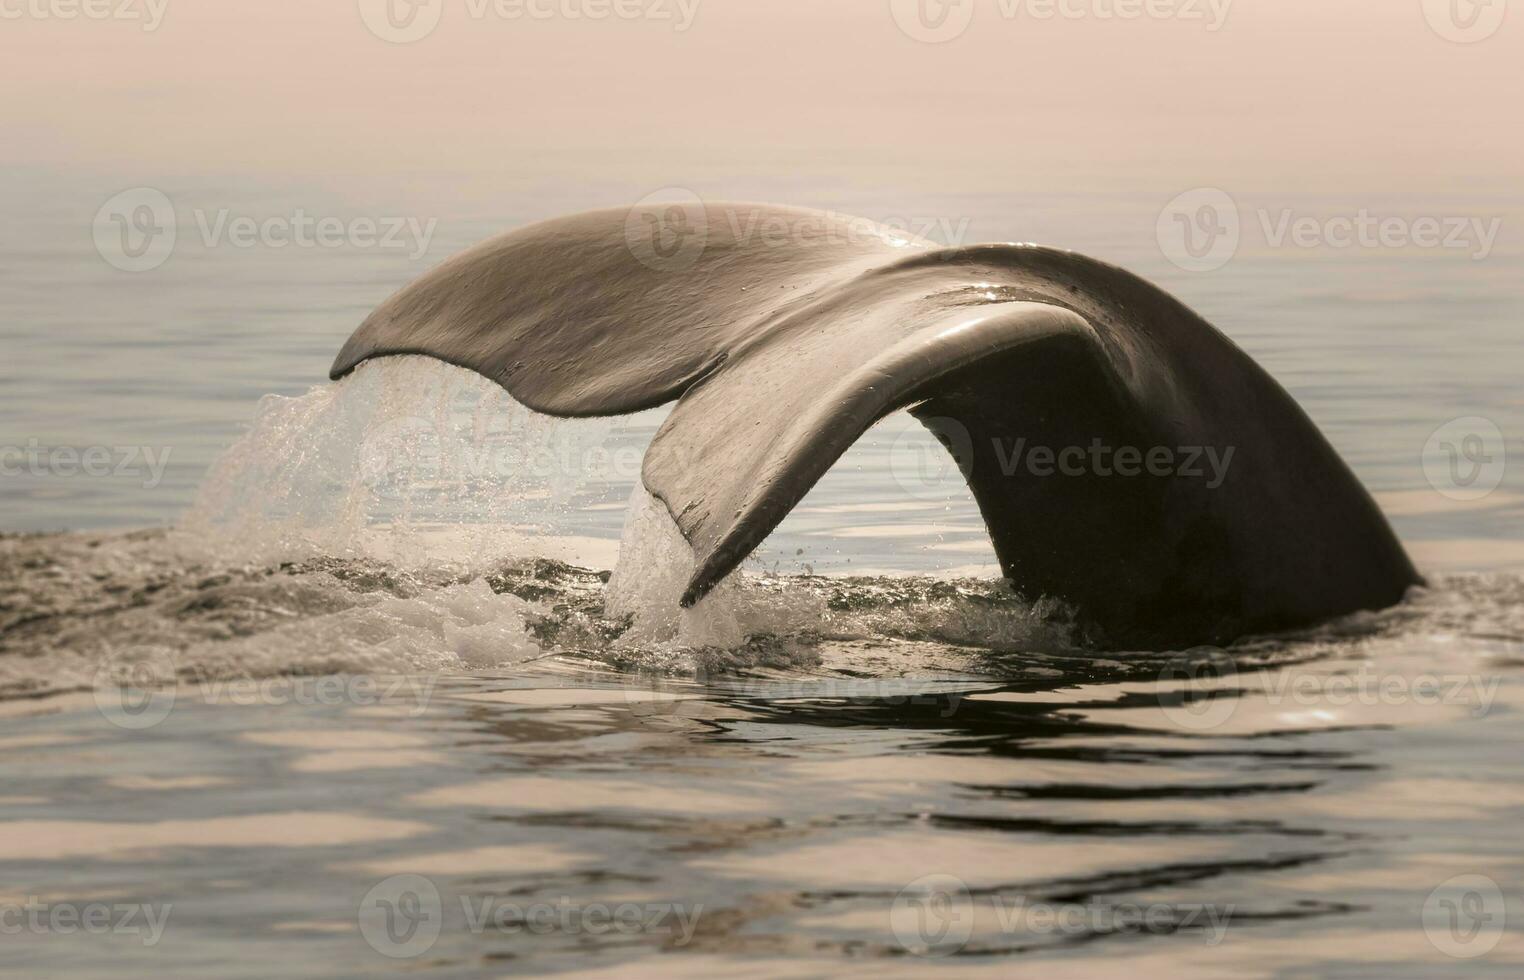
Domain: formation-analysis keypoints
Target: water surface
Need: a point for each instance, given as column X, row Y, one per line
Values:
column 380, row 637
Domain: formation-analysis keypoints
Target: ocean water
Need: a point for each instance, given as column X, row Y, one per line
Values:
column 384, row 676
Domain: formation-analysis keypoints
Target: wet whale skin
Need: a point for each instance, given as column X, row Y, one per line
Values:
column 783, row 334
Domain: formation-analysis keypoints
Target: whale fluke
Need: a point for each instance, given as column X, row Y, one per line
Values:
column 784, row 334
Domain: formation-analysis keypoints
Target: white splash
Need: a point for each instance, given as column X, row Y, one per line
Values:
column 431, row 468
column 655, row 563
column 409, row 459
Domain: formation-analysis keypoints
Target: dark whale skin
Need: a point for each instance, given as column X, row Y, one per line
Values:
column 784, row 334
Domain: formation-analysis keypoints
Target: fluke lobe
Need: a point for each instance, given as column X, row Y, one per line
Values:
column 784, row 334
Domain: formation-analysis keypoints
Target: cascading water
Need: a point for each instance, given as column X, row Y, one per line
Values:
column 408, row 459
column 413, row 517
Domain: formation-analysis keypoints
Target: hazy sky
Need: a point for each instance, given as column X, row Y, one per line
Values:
column 1357, row 94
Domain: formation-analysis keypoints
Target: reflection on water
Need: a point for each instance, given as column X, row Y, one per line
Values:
column 867, row 794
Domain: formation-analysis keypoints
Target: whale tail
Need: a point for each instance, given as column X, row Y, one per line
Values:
column 1126, row 457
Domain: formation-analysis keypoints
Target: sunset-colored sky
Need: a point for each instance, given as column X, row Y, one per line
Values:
column 1356, row 94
